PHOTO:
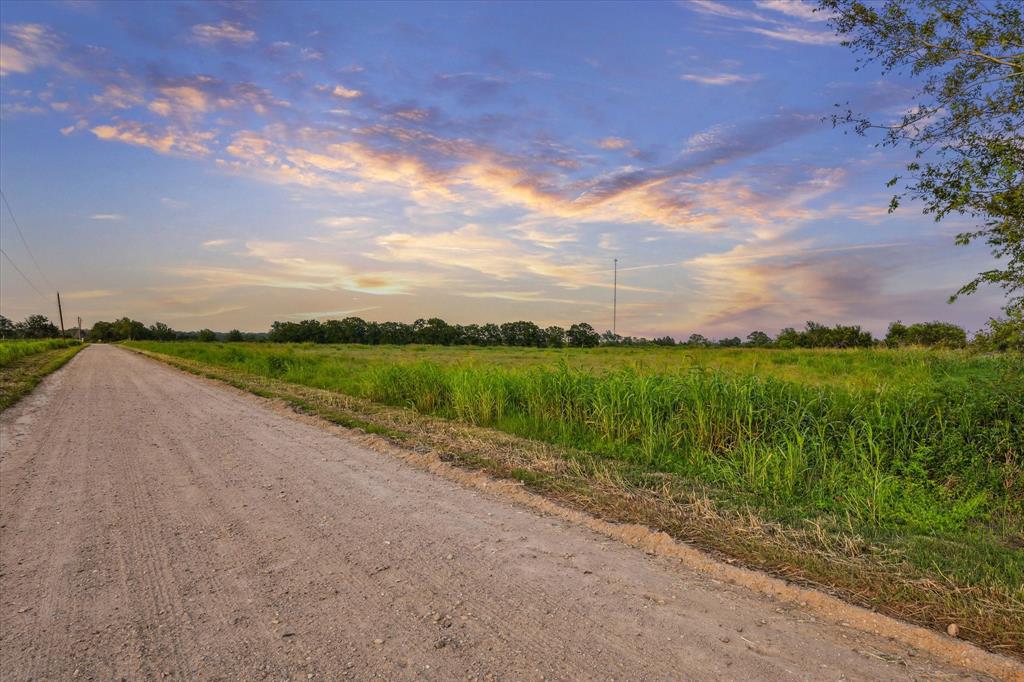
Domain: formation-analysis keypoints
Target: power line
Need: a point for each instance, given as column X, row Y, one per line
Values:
column 20, row 234
column 23, row 275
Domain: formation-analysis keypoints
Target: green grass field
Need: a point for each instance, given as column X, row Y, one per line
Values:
column 11, row 350
column 918, row 453
column 24, row 363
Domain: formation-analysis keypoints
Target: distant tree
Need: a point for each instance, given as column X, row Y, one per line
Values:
column 434, row 331
column 491, row 334
column 554, row 337
column 759, row 339
column 206, row 335
column 610, row 338
column 394, row 333
column 733, row 342
column 158, row 331
column 7, row 328
column 664, row 341
column 234, row 336
column 787, row 338
column 36, row 327
column 582, row 335
column 965, row 123
column 944, row 334
column 817, row 335
column 697, row 340
column 102, row 332
column 522, row 333
column 127, row 328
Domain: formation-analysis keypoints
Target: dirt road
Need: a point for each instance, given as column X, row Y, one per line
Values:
column 153, row 524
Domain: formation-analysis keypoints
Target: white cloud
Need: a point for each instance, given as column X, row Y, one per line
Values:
column 346, row 93
column 225, row 31
column 106, row 216
column 795, row 34
column 32, row 46
column 720, row 78
column 794, row 8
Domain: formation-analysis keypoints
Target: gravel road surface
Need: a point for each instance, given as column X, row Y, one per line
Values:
column 157, row 525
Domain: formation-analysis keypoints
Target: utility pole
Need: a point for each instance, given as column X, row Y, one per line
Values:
column 60, row 313
column 615, row 300
column 79, row 327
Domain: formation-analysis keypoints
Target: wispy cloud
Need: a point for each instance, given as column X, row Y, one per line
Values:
column 720, row 78
column 215, row 243
column 89, row 294
column 164, row 140
column 799, row 9
column 796, row 34
column 320, row 314
column 769, row 26
column 287, row 265
column 225, row 31
column 30, row 47
column 613, row 143
column 721, row 9
column 106, row 216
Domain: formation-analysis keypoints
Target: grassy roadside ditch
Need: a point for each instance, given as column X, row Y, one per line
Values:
column 971, row 577
column 23, row 364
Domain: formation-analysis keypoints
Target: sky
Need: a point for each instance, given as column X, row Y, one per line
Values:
column 225, row 165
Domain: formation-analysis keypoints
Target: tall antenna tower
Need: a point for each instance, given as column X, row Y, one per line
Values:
column 615, row 300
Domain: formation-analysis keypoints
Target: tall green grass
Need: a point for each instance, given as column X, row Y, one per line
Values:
column 922, row 460
column 11, row 350
column 920, row 442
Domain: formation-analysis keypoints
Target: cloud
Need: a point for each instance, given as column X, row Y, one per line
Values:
column 183, row 101
column 89, row 294
column 215, row 243
column 720, row 78
column 191, row 97
column 472, row 248
column 795, row 34
column 346, row 93
column 794, row 8
column 720, row 9
column 164, row 141
column 32, row 46
column 106, row 216
column 285, row 265
column 526, row 296
column 330, row 313
column 755, row 22
column 430, row 168
column 613, row 143
column 787, row 282
column 119, row 97
column 225, row 31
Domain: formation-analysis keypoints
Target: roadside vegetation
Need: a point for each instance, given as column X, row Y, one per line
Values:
column 24, row 363
column 892, row 476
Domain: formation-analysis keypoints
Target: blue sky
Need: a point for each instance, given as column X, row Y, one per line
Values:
column 226, row 165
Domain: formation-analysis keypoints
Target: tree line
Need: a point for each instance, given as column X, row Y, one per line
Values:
column 434, row 331
column 1001, row 334
column 528, row 334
